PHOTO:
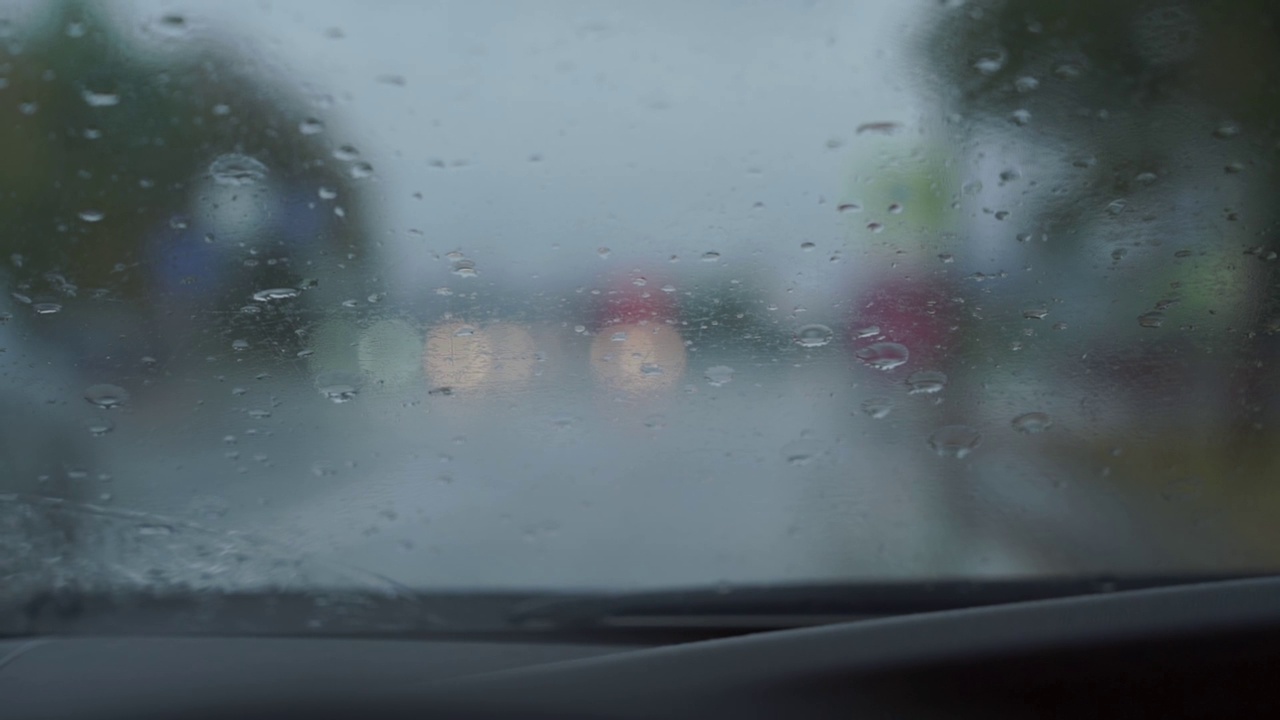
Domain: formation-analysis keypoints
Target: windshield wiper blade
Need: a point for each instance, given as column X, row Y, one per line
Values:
column 718, row 612
column 641, row 618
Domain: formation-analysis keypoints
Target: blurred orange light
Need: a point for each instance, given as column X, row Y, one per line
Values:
column 463, row 356
column 638, row 358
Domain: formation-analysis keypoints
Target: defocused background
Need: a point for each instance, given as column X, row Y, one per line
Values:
column 571, row 294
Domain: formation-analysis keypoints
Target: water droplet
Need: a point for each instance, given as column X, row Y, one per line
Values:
column 926, row 382
column 46, row 308
column 240, row 345
column 94, row 98
column 813, row 336
column 361, row 170
column 105, row 395
column 603, row 252
column 1032, row 423
column 1119, row 254
column 465, row 268
column 346, row 153
column 718, row 375
column 955, row 441
column 619, row 337
column 1115, row 207
column 990, row 62
column 338, row 387
column 651, row 369
column 946, row 257
column 91, row 216
column 875, row 227
column 883, row 355
column 99, row 426
column 807, row 246
column 1035, row 313
column 1026, row 84
column 311, row 126
column 849, row 207
column 1068, row 71
column 881, row 127
column 171, row 25
column 710, row 256
column 877, row 408
column 1226, row 130
column 235, row 169
column 1152, row 319
column 326, row 193
column 1021, row 116
column 275, row 294
column 155, row 530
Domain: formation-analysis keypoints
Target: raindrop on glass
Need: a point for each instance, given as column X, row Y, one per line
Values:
column 338, row 387
column 275, row 294
column 813, row 336
column 1026, row 84
column 883, row 355
column 155, row 530
column 105, row 395
column 1226, row 131
column 719, row 375
column 990, row 62
column 99, row 427
column 926, row 382
column 877, row 408
column 954, row 441
column 1153, row 319
column 235, row 169
column 1032, row 423
column 100, row 99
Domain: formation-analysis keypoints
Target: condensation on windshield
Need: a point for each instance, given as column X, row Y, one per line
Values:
column 565, row 295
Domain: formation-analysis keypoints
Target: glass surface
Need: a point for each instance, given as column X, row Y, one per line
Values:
column 627, row 295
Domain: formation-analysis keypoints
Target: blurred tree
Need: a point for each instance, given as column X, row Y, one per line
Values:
column 164, row 169
column 1147, row 124
column 156, row 177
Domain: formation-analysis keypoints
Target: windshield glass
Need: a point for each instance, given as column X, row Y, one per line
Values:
column 632, row 295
